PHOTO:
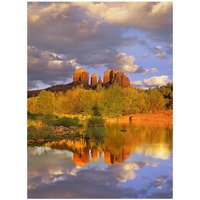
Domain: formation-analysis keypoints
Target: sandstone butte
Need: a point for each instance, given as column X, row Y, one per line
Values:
column 81, row 76
column 110, row 76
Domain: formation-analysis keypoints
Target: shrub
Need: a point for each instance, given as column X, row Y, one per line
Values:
column 95, row 121
column 64, row 121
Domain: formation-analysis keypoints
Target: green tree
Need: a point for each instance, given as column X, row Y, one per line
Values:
column 45, row 102
column 111, row 103
column 89, row 101
column 130, row 100
column 31, row 104
column 155, row 100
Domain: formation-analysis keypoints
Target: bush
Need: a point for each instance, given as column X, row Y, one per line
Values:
column 95, row 121
column 64, row 121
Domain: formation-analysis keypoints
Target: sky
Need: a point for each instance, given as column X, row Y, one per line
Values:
column 134, row 38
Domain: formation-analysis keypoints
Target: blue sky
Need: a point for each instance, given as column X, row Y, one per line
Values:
column 134, row 38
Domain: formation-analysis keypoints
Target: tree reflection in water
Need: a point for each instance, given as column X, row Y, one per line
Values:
column 110, row 161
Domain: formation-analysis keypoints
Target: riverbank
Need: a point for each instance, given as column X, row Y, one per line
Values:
column 154, row 118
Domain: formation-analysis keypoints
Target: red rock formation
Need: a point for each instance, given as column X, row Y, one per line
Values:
column 111, row 76
column 82, row 76
column 106, row 77
column 93, row 79
column 122, row 79
column 100, row 81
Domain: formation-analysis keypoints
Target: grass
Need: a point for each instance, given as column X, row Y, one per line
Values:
column 95, row 121
column 51, row 120
column 64, row 121
column 42, row 117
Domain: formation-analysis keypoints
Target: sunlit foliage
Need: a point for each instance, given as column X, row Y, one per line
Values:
column 45, row 102
column 111, row 102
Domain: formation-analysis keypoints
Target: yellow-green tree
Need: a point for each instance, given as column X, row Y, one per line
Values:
column 45, row 102
column 130, row 100
column 31, row 104
column 111, row 104
column 155, row 100
column 89, row 101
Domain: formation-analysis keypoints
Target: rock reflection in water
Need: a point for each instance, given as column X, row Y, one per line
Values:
column 122, row 164
column 117, row 146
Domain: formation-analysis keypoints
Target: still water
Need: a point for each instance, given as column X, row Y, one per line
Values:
column 132, row 164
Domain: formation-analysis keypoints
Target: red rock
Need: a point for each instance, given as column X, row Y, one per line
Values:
column 100, row 81
column 106, row 77
column 111, row 76
column 93, row 79
column 82, row 76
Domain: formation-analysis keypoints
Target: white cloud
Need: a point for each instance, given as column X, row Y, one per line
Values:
column 160, row 55
column 46, row 67
column 143, row 15
column 126, row 63
column 158, row 48
column 153, row 81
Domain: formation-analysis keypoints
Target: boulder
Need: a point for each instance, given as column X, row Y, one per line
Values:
column 41, row 140
column 59, row 129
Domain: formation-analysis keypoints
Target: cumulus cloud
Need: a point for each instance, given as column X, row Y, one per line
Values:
column 160, row 55
column 48, row 67
column 67, row 29
column 153, row 81
column 142, row 15
column 66, row 35
column 126, row 64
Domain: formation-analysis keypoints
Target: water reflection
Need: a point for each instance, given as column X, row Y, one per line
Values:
column 136, row 163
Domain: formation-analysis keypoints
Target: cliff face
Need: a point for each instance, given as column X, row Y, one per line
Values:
column 82, row 76
column 111, row 76
column 93, row 79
